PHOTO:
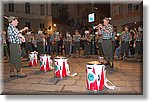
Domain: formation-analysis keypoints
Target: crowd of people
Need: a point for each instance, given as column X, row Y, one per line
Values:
column 106, row 41
column 126, row 45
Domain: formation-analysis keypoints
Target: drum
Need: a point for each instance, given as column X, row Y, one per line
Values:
column 33, row 59
column 45, row 63
column 95, row 75
column 61, row 67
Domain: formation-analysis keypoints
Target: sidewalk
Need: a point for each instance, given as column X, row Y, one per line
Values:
column 128, row 78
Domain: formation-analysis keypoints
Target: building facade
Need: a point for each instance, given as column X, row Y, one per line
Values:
column 126, row 13
column 32, row 15
column 51, row 17
column 71, row 16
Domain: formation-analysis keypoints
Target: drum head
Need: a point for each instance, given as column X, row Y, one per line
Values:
column 60, row 58
column 94, row 62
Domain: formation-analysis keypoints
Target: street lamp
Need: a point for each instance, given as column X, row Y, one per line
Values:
column 54, row 25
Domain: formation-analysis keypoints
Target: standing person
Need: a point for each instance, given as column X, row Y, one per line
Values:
column 117, row 47
column 138, row 43
column 106, row 31
column 76, row 40
column 28, row 43
column 60, row 44
column 52, row 42
column 99, row 40
column 87, row 47
column 34, row 42
column 48, row 43
column 5, row 44
column 15, row 38
column 113, row 42
column 125, row 38
column 44, row 43
column 68, row 41
column 40, row 48
column 56, row 42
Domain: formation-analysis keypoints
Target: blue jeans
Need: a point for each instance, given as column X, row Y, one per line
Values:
column 118, row 49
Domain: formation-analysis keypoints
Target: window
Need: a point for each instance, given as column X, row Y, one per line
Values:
column 27, row 24
column 130, row 7
column 11, row 7
column 115, row 10
column 42, row 10
column 42, row 25
column 27, row 8
column 136, row 7
column 121, row 9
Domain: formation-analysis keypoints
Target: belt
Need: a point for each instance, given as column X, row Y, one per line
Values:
column 106, row 39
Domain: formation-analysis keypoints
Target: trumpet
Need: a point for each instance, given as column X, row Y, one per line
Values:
column 98, row 26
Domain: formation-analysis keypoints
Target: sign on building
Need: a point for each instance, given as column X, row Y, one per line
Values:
column 91, row 17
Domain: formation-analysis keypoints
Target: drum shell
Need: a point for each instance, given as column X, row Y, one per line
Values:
column 95, row 74
column 61, row 67
column 45, row 63
column 33, row 59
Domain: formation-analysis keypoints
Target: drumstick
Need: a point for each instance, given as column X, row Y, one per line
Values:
column 74, row 74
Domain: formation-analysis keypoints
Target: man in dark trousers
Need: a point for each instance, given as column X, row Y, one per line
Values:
column 15, row 38
column 107, row 31
column 125, row 39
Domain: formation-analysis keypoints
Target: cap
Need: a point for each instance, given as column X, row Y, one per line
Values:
column 106, row 18
column 10, row 18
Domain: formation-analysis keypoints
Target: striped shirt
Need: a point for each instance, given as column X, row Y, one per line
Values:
column 13, row 34
column 106, row 35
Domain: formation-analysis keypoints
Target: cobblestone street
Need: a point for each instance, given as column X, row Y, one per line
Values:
column 128, row 78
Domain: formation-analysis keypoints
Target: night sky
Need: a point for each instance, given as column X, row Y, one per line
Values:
column 104, row 8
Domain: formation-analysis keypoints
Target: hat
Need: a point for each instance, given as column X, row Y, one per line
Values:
column 10, row 18
column 106, row 18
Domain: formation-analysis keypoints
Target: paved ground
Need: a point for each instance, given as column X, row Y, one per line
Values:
column 128, row 78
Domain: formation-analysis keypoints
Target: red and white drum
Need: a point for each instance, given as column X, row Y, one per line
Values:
column 95, row 75
column 61, row 67
column 33, row 59
column 45, row 63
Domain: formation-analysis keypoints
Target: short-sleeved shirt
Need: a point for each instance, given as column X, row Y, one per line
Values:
column 76, row 38
column 125, row 37
column 13, row 34
column 106, row 35
column 68, row 39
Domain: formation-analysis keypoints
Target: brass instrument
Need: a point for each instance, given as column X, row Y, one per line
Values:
column 98, row 26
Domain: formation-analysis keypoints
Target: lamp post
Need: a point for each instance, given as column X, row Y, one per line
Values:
column 91, row 19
